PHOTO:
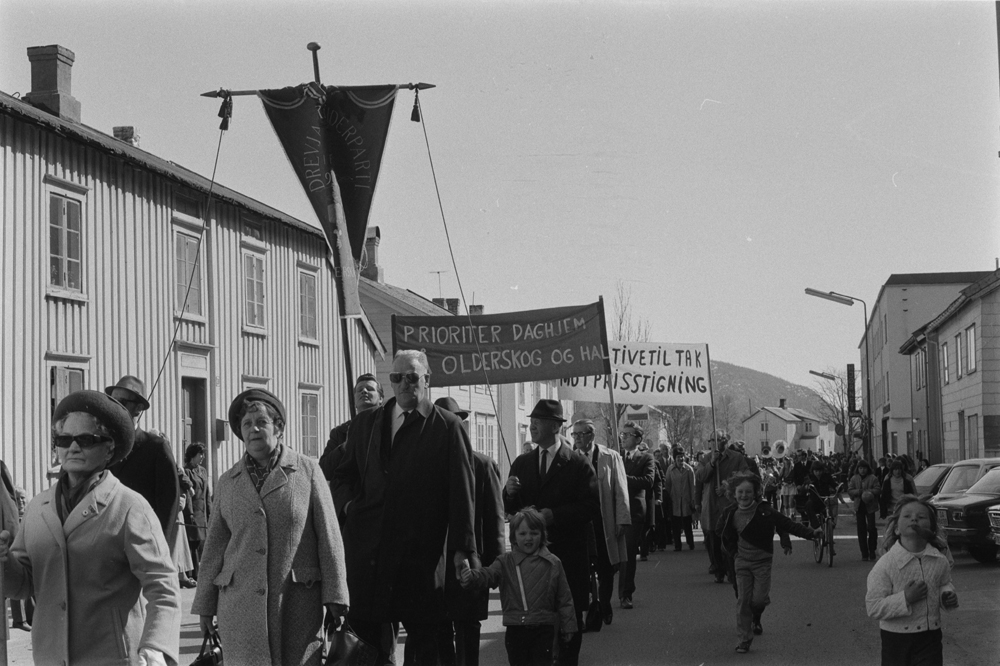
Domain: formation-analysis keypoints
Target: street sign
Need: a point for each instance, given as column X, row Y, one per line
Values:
column 851, row 398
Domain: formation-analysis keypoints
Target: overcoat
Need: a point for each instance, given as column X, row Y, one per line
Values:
column 196, row 511
column 150, row 470
column 406, row 503
column 270, row 563
column 86, row 577
column 712, row 503
column 471, row 604
column 679, row 485
column 640, row 472
column 569, row 490
column 613, row 486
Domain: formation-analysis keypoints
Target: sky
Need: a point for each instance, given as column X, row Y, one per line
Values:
column 714, row 158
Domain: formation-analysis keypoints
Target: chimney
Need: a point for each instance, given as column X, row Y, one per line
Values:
column 440, row 303
column 51, row 74
column 781, row 403
column 127, row 134
column 372, row 270
column 452, row 305
column 475, row 310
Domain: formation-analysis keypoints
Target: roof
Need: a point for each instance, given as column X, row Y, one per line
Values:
column 988, row 283
column 898, row 279
column 790, row 414
column 416, row 302
column 100, row 141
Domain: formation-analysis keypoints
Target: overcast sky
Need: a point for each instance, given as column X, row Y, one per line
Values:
column 719, row 157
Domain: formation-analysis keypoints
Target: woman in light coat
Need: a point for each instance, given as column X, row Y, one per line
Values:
column 87, row 548
column 273, row 557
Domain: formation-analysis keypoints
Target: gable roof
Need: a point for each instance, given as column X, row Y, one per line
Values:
column 109, row 145
column 408, row 302
column 789, row 414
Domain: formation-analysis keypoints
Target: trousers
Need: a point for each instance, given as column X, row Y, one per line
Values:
column 753, row 590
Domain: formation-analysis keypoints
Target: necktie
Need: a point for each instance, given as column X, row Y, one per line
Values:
column 542, row 468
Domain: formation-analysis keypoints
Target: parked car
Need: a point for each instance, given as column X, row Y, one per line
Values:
column 929, row 481
column 994, row 517
column 964, row 519
column 962, row 475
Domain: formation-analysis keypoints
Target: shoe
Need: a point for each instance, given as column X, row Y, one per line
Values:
column 643, row 558
column 743, row 647
column 757, row 628
column 627, row 603
column 23, row 626
column 690, row 546
column 608, row 617
column 188, row 583
column 720, row 579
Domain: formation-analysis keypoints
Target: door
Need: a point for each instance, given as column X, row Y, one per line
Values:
column 194, row 412
column 961, row 436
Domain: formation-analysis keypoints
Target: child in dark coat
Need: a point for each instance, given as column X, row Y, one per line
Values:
column 534, row 592
column 746, row 530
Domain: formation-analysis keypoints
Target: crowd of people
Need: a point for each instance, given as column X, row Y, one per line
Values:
column 400, row 525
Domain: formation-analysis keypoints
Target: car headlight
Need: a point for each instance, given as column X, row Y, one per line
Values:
column 958, row 516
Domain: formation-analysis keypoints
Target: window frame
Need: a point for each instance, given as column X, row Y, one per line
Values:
column 254, row 326
column 945, row 370
column 970, row 349
column 958, row 355
column 178, row 286
column 304, row 335
column 309, row 423
column 62, row 289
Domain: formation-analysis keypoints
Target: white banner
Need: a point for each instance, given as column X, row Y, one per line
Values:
column 648, row 373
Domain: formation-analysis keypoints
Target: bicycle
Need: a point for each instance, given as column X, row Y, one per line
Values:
column 829, row 523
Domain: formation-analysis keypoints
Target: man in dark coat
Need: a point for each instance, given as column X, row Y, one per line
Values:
column 566, row 493
column 149, row 469
column 368, row 394
column 468, row 608
column 640, row 473
column 405, row 490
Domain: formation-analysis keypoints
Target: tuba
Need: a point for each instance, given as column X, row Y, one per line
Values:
column 780, row 449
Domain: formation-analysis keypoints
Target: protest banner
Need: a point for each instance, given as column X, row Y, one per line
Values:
column 648, row 373
column 509, row 347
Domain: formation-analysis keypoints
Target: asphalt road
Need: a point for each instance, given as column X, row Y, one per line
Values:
column 681, row 617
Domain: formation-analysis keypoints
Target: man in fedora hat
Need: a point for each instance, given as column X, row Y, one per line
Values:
column 467, row 608
column 149, row 469
column 562, row 484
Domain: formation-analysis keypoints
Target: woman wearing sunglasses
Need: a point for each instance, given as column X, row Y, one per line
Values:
column 91, row 553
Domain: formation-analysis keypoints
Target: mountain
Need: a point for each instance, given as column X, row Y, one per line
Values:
column 740, row 391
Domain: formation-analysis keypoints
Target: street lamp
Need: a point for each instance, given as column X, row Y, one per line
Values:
column 824, row 375
column 844, row 299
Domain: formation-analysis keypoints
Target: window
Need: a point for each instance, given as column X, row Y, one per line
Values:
column 253, row 275
column 187, row 205
column 309, row 421
column 64, row 382
column 973, row 434
column 520, row 394
column 491, row 437
column 65, row 243
column 307, row 305
column 186, row 260
column 481, row 433
column 523, row 431
column 480, row 388
column 946, row 375
column 958, row 356
column 763, row 427
column 253, row 229
column 463, row 389
column 970, row 348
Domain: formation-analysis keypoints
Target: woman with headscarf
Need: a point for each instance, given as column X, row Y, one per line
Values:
column 92, row 552
column 273, row 557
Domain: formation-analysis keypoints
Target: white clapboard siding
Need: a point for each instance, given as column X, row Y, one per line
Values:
column 124, row 323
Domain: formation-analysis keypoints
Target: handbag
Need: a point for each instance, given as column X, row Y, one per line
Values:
column 347, row 649
column 594, row 618
column 211, row 651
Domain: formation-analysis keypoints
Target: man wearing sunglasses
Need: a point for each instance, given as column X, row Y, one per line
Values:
column 404, row 489
column 149, row 469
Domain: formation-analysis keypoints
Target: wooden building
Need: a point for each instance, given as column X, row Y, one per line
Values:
column 100, row 243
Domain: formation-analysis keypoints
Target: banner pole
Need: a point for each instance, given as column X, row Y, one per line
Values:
column 711, row 393
column 616, row 443
column 614, row 418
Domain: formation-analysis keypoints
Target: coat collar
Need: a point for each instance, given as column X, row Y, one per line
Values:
column 287, row 460
column 542, row 552
column 92, row 504
column 900, row 557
